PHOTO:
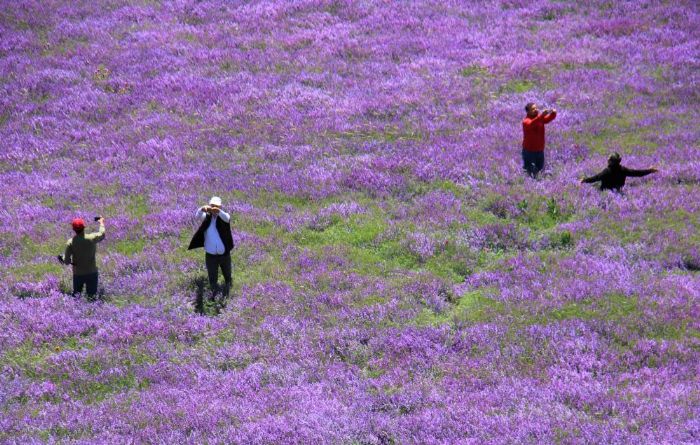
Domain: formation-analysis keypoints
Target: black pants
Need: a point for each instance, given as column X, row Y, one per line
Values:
column 533, row 162
column 214, row 262
column 89, row 281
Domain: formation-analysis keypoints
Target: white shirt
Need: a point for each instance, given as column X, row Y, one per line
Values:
column 212, row 241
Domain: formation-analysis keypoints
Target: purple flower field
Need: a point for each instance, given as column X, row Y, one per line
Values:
column 397, row 279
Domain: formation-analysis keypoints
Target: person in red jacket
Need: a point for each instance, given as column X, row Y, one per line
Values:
column 533, row 137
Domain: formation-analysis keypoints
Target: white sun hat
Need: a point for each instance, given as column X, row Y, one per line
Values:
column 215, row 201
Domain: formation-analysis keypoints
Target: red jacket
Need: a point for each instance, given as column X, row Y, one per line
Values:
column 533, row 131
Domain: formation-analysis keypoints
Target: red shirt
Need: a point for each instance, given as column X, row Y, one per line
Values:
column 533, row 131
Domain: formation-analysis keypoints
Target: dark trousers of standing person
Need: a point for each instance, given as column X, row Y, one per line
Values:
column 214, row 262
column 90, row 283
column 533, row 162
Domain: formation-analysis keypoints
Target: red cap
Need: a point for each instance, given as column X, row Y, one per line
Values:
column 78, row 224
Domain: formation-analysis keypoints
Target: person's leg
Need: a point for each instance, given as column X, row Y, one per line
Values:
column 539, row 162
column 212, row 272
column 78, row 282
column 528, row 163
column 226, row 271
column 91, row 285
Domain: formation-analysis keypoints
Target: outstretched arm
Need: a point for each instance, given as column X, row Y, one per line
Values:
column 594, row 178
column 637, row 173
column 201, row 213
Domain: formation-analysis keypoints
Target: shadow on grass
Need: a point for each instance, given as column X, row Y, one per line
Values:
column 206, row 302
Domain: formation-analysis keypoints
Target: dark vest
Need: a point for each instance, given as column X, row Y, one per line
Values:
column 224, row 229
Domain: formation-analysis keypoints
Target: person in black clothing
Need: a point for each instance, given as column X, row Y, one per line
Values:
column 214, row 234
column 613, row 177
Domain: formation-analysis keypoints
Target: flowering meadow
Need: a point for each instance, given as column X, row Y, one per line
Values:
column 397, row 279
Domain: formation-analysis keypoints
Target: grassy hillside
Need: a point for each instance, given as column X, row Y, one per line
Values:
column 397, row 278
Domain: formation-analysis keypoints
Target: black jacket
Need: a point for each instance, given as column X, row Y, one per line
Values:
column 614, row 177
column 224, row 229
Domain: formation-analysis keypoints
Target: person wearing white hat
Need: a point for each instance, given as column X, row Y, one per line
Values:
column 214, row 235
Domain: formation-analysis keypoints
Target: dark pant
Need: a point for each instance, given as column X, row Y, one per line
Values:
column 533, row 162
column 89, row 281
column 214, row 262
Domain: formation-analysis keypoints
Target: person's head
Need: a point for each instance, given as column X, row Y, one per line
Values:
column 78, row 225
column 215, row 204
column 614, row 160
column 531, row 109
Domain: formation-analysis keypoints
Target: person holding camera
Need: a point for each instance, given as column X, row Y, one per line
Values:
column 614, row 175
column 533, row 137
column 214, row 234
column 80, row 253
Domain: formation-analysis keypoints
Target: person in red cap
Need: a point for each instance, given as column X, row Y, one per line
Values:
column 80, row 253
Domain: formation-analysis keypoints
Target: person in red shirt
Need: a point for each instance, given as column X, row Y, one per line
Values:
column 533, row 137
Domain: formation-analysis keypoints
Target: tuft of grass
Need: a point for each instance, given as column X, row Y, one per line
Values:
column 370, row 300
column 472, row 307
column 357, row 231
column 128, row 247
column 473, row 70
column 516, row 86
column 138, row 206
column 603, row 66
column 36, row 272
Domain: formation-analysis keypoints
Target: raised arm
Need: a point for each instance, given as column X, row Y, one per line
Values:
column 637, row 173
column 549, row 117
column 100, row 234
column 224, row 216
column 527, row 122
column 201, row 214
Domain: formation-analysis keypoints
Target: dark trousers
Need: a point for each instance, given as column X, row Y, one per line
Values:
column 533, row 162
column 214, row 262
column 89, row 281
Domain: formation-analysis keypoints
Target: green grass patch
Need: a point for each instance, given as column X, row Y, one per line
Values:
column 421, row 188
column 381, row 259
column 37, row 271
column 472, row 307
column 369, row 300
column 481, row 217
column 32, row 249
column 29, row 358
column 272, row 267
column 622, row 133
column 540, row 214
column 444, row 266
column 264, row 199
column 612, row 307
column 604, row 66
column 4, row 117
column 516, row 86
column 473, row 70
column 358, row 230
column 679, row 221
column 128, row 247
column 138, row 206
column 94, row 391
